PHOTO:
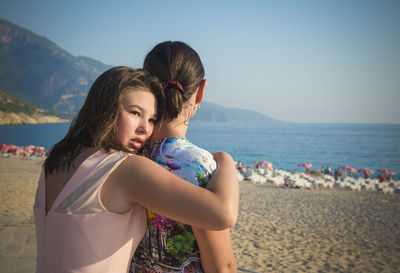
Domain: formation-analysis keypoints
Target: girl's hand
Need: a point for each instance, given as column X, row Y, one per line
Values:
column 223, row 158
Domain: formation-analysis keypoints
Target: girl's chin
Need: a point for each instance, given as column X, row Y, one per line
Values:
column 131, row 149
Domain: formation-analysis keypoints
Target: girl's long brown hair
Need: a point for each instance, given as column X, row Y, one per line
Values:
column 94, row 126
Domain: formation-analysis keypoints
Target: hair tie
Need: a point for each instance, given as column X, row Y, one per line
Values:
column 174, row 84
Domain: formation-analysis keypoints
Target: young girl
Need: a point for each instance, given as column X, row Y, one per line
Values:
column 88, row 211
column 170, row 246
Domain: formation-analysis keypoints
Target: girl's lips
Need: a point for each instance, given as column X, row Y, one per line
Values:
column 136, row 143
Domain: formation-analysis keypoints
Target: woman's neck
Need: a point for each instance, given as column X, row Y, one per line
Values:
column 173, row 128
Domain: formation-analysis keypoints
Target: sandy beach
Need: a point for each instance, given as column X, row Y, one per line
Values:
column 18, row 180
column 278, row 229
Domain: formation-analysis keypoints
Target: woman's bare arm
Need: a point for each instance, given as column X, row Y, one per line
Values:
column 216, row 248
column 216, row 252
column 140, row 180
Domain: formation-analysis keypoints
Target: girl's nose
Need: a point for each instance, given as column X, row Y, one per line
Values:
column 145, row 127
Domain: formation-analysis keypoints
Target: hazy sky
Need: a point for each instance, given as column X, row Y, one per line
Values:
column 300, row 61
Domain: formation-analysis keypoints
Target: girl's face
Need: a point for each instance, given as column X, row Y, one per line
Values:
column 136, row 122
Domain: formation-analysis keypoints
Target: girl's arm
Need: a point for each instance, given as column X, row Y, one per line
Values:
column 216, row 252
column 140, row 180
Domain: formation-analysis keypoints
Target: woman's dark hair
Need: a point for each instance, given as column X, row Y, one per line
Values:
column 95, row 124
column 176, row 62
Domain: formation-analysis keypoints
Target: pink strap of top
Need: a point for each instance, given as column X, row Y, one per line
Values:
column 86, row 167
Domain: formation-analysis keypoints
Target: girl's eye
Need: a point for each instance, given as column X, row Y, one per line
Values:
column 152, row 120
column 135, row 113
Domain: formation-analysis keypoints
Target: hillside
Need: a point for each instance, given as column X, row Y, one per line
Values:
column 40, row 73
column 16, row 111
column 210, row 112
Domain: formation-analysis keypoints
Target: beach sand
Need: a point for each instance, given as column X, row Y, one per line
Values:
column 18, row 180
column 293, row 230
column 278, row 229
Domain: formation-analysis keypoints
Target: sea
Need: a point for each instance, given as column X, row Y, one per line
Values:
column 286, row 145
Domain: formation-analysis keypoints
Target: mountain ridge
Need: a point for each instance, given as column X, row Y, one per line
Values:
column 39, row 72
column 211, row 112
column 15, row 111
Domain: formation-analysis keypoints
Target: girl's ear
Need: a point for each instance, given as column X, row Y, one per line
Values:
column 200, row 91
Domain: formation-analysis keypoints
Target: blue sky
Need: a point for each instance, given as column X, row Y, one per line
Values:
column 300, row 61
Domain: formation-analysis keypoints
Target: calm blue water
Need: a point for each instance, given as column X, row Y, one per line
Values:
column 371, row 146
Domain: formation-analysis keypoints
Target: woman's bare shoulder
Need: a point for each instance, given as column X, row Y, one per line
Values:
column 139, row 163
column 137, row 169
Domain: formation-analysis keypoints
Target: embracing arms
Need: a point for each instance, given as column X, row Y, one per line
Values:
column 139, row 180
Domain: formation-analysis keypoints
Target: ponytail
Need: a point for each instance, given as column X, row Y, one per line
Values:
column 179, row 67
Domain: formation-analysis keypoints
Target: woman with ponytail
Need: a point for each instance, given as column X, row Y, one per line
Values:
column 171, row 246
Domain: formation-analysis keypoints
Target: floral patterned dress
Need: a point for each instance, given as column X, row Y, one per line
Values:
column 170, row 246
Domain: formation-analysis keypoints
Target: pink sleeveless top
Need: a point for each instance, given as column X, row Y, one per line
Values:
column 78, row 234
